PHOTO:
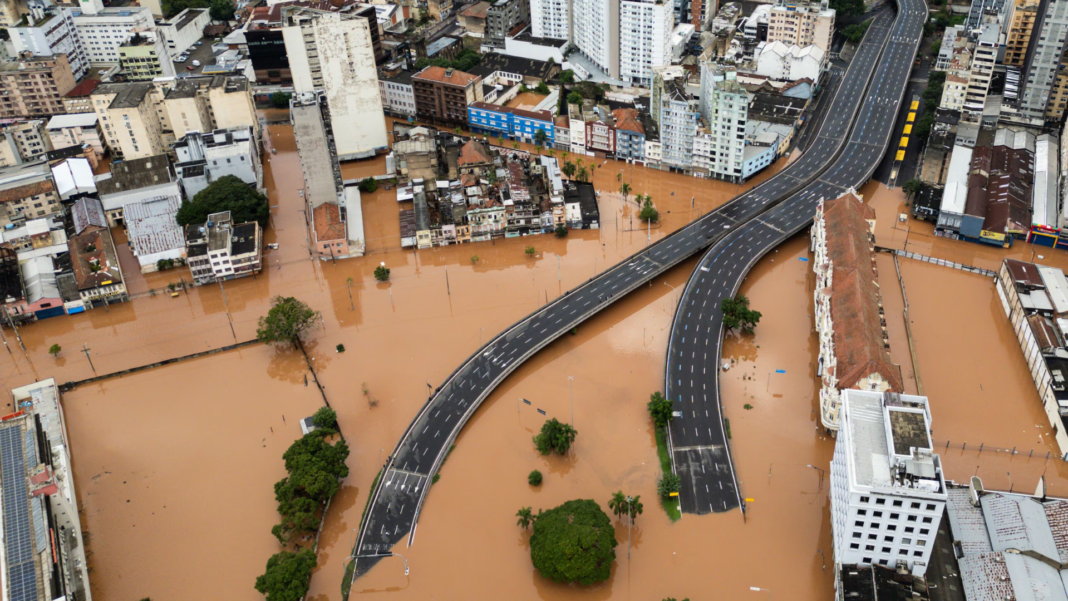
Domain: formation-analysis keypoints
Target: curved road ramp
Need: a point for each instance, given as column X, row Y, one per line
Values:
column 393, row 509
column 699, row 446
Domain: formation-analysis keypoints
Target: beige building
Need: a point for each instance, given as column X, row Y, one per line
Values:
column 953, row 93
column 166, row 109
column 144, row 57
column 802, row 24
column 1058, row 95
column 27, row 192
column 129, row 119
column 1019, row 31
column 11, row 12
column 34, row 86
column 76, row 129
column 79, row 99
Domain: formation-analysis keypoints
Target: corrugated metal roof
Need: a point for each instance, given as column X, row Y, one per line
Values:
column 1056, row 287
column 1044, row 199
column 966, row 522
column 1018, row 523
column 152, row 226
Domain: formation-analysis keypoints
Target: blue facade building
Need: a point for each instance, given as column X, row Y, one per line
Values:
column 511, row 123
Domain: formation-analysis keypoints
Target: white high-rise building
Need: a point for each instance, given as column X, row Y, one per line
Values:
column 595, row 32
column 550, row 19
column 332, row 52
column 676, row 113
column 47, row 34
column 104, row 30
column 887, row 487
column 644, row 39
column 725, row 109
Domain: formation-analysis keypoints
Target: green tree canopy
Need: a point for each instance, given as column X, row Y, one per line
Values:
column 228, row 193
column 287, row 319
column 574, row 542
column 660, row 409
column 574, row 98
column 649, row 212
column 279, row 100
column 287, row 575
column 737, row 314
column 315, row 465
column 855, row 33
column 325, row 417
column 567, row 76
column 542, row 88
column 555, row 437
column 221, row 10
column 912, row 188
column 848, row 8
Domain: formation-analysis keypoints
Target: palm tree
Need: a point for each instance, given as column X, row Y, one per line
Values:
column 540, row 137
column 618, row 503
column 568, row 169
column 624, row 189
column 619, row 176
column 526, row 517
column 515, row 145
column 552, row 152
column 635, row 506
column 583, row 173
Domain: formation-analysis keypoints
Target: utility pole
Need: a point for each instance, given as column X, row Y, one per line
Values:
column 227, row 309
column 352, row 307
column 448, row 288
column 85, row 349
column 571, row 383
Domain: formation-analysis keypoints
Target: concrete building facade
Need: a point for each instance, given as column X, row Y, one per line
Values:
column 103, row 32
column 204, row 158
column 1043, row 60
column 49, row 34
column 810, row 24
column 34, row 86
column 334, row 53
column 550, row 19
column 725, row 109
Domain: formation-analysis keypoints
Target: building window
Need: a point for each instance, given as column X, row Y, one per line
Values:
column 864, row 499
column 880, row 501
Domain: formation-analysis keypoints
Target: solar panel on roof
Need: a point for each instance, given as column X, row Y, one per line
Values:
column 21, row 574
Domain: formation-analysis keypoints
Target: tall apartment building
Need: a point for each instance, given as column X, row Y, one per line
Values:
column 184, row 29
column 34, row 86
column 1043, row 59
column 503, row 16
column 443, row 95
column 644, row 40
column 724, row 108
column 11, row 12
column 334, row 53
column 888, row 491
column 550, row 19
column 595, row 32
column 676, row 114
column 104, row 30
column 809, row 24
column 129, row 119
column 981, row 8
column 29, row 139
column 1021, row 23
column 694, row 12
column 48, row 34
column 983, row 60
column 144, row 57
column 1058, row 96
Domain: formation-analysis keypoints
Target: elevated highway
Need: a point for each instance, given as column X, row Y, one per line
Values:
column 699, row 447
column 393, row 510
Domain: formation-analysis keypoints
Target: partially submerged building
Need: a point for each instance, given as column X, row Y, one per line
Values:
column 854, row 345
column 334, row 211
column 153, row 231
column 44, row 547
column 95, row 265
column 222, row 250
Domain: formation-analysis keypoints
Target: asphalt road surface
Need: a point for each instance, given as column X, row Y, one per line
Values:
column 394, row 509
column 699, row 446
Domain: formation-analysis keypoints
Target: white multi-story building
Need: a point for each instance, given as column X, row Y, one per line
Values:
column 803, row 24
column 398, row 95
column 595, row 32
column 644, row 39
column 725, row 108
column 222, row 250
column 676, row 114
column 954, row 92
column 984, row 59
column 780, row 61
column 104, row 30
column 577, row 127
column 887, row 487
column 332, row 52
column 184, row 29
column 550, row 19
column 204, row 158
column 47, row 34
column 76, row 129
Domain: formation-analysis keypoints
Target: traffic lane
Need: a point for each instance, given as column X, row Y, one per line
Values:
column 707, row 482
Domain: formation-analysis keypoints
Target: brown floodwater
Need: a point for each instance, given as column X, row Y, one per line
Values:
column 435, row 311
column 174, row 470
column 525, row 100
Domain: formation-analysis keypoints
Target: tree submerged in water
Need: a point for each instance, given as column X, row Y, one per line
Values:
column 286, row 321
column 574, row 542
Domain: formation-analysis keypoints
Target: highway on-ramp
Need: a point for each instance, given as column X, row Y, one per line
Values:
column 700, row 449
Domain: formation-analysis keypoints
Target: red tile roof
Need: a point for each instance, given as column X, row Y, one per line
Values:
column 85, row 88
column 453, row 77
column 473, row 152
column 627, row 120
column 20, row 192
column 478, row 11
column 328, row 224
column 855, row 301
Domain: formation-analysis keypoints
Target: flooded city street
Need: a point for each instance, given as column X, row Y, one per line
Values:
column 175, row 466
